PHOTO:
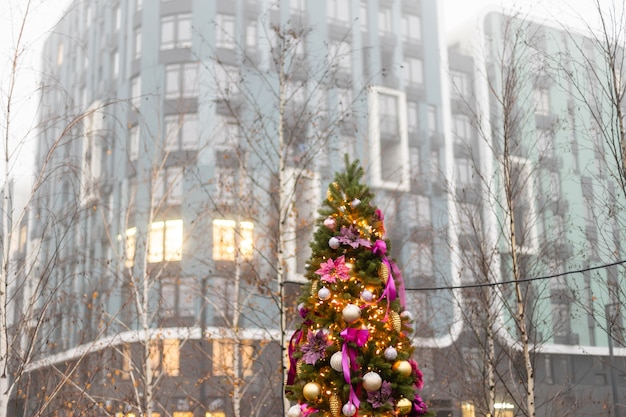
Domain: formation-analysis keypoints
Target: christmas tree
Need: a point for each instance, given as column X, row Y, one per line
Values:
column 351, row 355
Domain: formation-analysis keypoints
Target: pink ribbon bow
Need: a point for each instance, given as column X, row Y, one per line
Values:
column 380, row 248
column 348, row 356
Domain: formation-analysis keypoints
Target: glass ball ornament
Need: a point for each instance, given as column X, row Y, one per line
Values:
column 351, row 313
column 391, row 353
column 294, row 411
column 323, row 294
column 403, row 368
column 336, row 361
column 334, row 243
column 348, row 409
column 355, row 203
column 406, row 314
column 404, row 406
column 330, row 223
column 312, row 391
column 372, row 381
column 367, row 296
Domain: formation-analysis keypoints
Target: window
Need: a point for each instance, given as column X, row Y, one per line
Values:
column 227, row 237
column 181, row 132
column 178, row 297
column 138, row 4
column 127, row 364
column 389, row 148
column 137, row 48
column 133, row 146
column 339, row 56
column 165, row 241
column 225, row 31
column 344, row 101
column 135, row 91
column 363, row 17
column 306, row 188
column 223, row 357
column 432, row 120
column 131, row 243
column 522, row 194
column 226, row 81
column 118, row 18
column 181, row 80
column 545, row 147
column 251, row 35
column 165, row 355
column 461, row 129
column 460, row 87
column 93, row 127
column 413, row 71
column 60, row 54
column 115, row 64
column 168, row 187
column 463, row 171
column 541, row 100
column 411, row 28
column 338, row 10
column 412, row 118
column 384, row 22
column 176, row 31
column 418, row 210
column 467, row 409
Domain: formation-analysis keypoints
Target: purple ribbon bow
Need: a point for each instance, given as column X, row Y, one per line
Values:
column 380, row 248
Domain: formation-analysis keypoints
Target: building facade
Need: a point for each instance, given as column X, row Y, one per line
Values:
column 185, row 147
column 532, row 131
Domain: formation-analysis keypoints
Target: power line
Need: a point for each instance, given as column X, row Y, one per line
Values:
column 493, row 284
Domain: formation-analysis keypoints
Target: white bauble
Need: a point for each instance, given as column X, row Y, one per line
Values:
column 355, row 203
column 330, row 223
column 406, row 314
column 348, row 409
column 336, row 361
column 367, row 296
column 391, row 353
column 294, row 411
column 351, row 313
column 323, row 294
column 334, row 243
column 372, row 381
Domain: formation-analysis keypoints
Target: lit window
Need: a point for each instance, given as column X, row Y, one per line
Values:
column 389, row 148
column 176, row 31
column 338, row 10
column 467, row 409
column 413, row 71
column 223, row 357
column 171, row 357
column 226, row 234
column 225, row 31
column 165, row 241
column 411, row 28
column 181, row 80
column 131, row 242
column 181, row 132
column 127, row 364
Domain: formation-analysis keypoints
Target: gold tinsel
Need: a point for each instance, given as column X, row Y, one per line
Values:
column 395, row 321
column 299, row 367
column 335, row 405
column 383, row 273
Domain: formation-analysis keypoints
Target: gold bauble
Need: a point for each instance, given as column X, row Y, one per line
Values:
column 383, row 273
column 403, row 368
column 312, row 391
column 404, row 406
column 335, row 405
column 396, row 321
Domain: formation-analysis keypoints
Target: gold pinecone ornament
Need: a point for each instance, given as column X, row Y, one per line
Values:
column 396, row 321
column 383, row 273
column 335, row 405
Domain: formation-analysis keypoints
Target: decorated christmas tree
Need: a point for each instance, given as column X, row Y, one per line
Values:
column 351, row 355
